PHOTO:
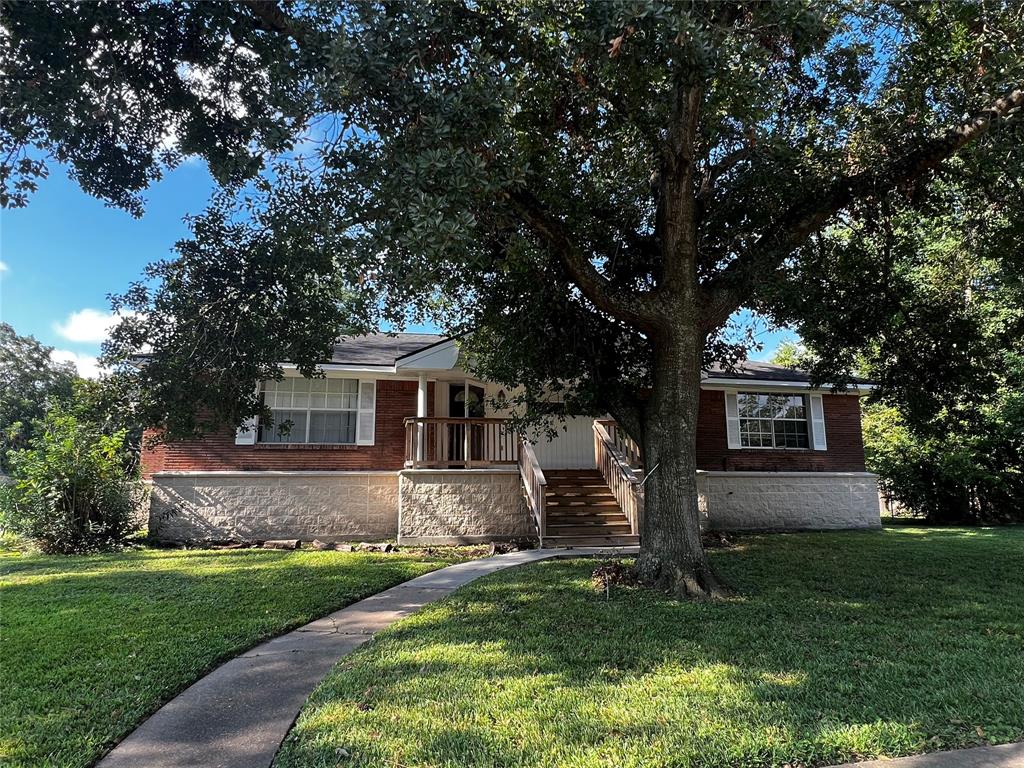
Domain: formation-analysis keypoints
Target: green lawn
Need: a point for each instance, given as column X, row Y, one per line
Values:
column 839, row 646
column 90, row 645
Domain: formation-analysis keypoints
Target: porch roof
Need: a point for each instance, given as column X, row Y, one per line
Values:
column 383, row 349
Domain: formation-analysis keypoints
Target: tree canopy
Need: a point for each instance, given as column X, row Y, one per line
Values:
column 29, row 381
column 611, row 180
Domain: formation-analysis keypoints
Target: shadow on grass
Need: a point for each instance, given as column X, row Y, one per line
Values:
column 93, row 644
column 840, row 646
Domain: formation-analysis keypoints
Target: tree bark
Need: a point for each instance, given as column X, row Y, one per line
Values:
column 672, row 555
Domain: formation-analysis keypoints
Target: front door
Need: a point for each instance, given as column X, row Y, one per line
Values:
column 458, row 409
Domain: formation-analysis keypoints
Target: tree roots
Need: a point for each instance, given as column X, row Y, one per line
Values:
column 692, row 582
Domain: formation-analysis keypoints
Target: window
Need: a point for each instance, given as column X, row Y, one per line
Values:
column 772, row 421
column 317, row 410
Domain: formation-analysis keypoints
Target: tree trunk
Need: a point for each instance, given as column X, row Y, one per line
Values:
column 672, row 555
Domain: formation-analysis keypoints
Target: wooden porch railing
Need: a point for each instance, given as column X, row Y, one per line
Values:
column 625, row 443
column 536, row 487
column 620, row 475
column 434, row 442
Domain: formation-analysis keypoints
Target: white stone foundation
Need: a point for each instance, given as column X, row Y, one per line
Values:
column 428, row 506
column 462, row 506
column 249, row 506
column 772, row 501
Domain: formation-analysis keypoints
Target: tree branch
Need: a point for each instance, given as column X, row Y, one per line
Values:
column 723, row 166
column 272, row 19
column 732, row 285
column 625, row 305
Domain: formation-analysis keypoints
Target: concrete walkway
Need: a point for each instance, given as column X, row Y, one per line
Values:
column 238, row 715
column 1004, row 756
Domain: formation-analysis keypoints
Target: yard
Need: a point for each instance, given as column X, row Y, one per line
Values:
column 92, row 644
column 840, row 646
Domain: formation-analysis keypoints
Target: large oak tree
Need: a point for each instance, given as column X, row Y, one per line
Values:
column 590, row 189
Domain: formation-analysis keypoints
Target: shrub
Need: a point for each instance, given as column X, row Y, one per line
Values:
column 74, row 489
column 963, row 468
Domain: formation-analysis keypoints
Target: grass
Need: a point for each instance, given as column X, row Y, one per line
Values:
column 840, row 646
column 91, row 645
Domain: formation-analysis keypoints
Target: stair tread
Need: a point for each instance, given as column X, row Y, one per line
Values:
column 591, row 541
column 586, row 516
column 570, row 505
column 583, row 511
column 597, row 515
column 591, row 521
column 581, row 501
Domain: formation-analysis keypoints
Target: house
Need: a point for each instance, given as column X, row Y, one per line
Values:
column 397, row 441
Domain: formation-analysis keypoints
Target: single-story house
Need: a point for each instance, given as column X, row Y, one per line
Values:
column 398, row 441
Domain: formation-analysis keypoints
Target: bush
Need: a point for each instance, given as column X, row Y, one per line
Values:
column 962, row 470
column 74, row 489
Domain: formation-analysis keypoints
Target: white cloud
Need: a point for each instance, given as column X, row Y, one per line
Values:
column 3, row 267
column 87, row 365
column 87, row 326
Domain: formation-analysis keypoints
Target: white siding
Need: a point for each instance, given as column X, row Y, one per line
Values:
column 571, row 449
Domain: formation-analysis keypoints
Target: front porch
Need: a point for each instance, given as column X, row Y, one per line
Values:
column 454, row 465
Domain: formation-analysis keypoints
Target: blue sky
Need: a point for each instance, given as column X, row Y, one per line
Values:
column 66, row 252
column 61, row 257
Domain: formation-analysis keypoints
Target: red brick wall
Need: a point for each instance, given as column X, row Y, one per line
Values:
column 395, row 401
column 842, row 435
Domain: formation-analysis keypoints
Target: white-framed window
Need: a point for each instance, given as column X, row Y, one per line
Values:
column 773, row 420
column 777, row 420
column 320, row 411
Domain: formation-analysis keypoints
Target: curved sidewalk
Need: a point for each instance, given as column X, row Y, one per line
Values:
column 238, row 715
column 1004, row 756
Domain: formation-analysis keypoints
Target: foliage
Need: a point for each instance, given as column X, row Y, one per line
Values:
column 94, row 644
column 111, row 404
column 72, row 488
column 821, row 662
column 965, row 464
column 420, row 127
column 120, row 91
column 29, row 379
column 941, row 303
column 791, row 355
column 614, row 178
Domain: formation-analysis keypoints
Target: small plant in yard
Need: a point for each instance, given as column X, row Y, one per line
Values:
column 73, row 489
column 613, row 572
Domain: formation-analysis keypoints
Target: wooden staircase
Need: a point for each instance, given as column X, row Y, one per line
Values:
column 582, row 512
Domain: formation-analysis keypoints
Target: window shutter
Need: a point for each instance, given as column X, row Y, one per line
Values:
column 247, row 433
column 732, row 420
column 817, row 423
column 367, row 411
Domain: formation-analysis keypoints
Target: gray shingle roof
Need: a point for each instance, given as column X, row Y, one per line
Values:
column 753, row 370
column 385, row 349
column 380, row 348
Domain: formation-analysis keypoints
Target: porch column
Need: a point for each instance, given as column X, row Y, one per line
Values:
column 421, row 412
column 465, row 427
